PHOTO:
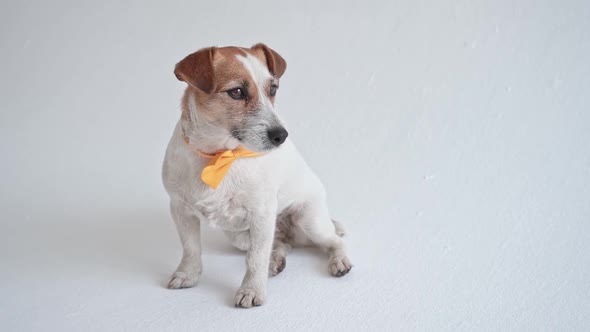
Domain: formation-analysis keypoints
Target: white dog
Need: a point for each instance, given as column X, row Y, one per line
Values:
column 229, row 163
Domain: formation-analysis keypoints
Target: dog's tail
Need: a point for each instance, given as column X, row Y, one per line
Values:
column 340, row 231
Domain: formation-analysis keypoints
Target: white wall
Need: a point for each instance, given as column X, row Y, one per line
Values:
column 452, row 137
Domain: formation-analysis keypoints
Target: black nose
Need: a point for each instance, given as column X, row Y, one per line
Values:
column 277, row 135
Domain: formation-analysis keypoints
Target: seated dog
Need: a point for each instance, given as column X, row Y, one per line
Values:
column 229, row 163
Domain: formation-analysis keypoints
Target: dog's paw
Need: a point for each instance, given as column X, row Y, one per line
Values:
column 181, row 279
column 339, row 266
column 277, row 264
column 247, row 298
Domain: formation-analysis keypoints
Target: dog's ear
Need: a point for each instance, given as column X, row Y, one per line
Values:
column 275, row 62
column 197, row 70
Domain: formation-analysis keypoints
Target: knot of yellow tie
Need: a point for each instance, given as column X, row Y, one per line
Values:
column 220, row 163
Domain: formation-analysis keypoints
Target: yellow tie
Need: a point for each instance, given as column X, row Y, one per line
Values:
column 220, row 163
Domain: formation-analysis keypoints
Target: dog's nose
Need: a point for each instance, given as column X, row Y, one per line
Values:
column 277, row 135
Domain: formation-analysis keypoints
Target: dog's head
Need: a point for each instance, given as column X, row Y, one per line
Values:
column 234, row 90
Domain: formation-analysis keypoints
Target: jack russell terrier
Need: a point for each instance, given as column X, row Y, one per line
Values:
column 229, row 163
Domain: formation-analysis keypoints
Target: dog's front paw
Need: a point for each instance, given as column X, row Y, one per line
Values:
column 247, row 298
column 339, row 266
column 180, row 279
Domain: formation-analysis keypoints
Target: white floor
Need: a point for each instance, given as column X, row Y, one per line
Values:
column 453, row 139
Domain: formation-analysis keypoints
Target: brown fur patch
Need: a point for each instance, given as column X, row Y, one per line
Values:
column 274, row 61
column 197, row 69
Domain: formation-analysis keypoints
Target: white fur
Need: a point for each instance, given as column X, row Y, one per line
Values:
column 247, row 202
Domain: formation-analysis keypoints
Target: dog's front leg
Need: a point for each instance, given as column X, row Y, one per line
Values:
column 189, row 229
column 262, row 227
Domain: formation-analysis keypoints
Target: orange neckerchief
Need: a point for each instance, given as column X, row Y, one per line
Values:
column 214, row 172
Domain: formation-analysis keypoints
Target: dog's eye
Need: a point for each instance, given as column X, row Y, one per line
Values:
column 237, row 93
column 273, row 90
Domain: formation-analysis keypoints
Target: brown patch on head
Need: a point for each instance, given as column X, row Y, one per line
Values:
column 274, row 61
column 230, row 73
column 197, row 70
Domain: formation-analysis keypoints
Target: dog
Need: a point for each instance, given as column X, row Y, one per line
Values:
column 229, row 163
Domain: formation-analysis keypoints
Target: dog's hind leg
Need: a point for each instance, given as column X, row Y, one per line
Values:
column 282, row 243
column 315, row 222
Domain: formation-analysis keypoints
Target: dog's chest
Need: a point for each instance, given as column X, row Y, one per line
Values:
column 225, row 213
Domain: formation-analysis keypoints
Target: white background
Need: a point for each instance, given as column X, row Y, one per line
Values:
column 452, row 136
